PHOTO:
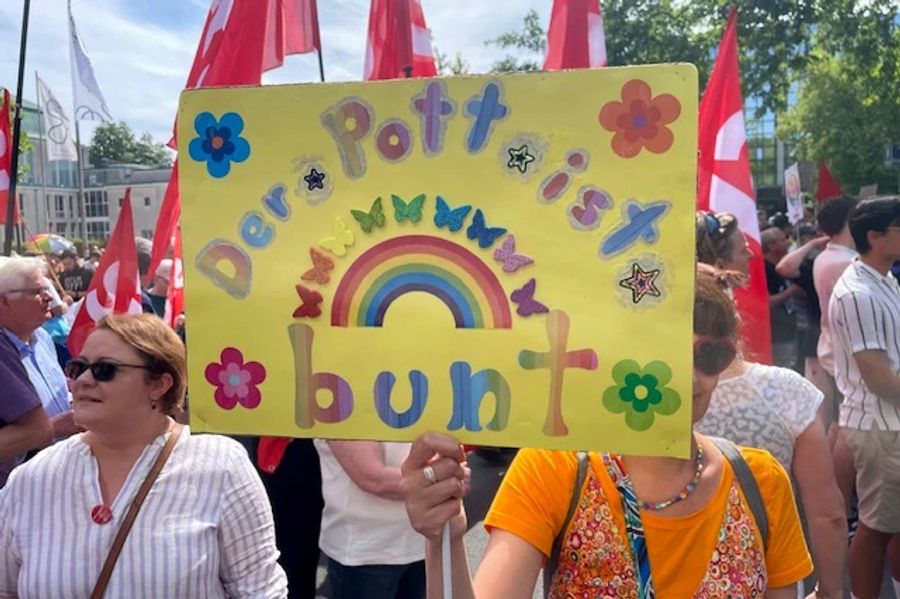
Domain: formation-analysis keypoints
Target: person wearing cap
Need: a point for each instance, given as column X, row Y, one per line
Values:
column 159, row 286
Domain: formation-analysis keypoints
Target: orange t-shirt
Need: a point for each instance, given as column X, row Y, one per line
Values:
column 534, row 498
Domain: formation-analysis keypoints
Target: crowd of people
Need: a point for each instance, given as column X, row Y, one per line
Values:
column 107, row 490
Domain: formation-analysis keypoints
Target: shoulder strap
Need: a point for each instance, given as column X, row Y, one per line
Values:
column 553, row 560
column 748, row 485
column 119, row 541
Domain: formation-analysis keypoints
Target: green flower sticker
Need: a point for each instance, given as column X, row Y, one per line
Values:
column 641, row 392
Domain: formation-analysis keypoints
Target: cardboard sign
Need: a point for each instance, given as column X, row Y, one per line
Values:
column 793, row 193
column 509, row 259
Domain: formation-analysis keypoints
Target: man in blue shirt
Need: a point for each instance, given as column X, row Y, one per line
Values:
column 24, row 307
column 24, row 425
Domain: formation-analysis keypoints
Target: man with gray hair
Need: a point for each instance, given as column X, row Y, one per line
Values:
column 24, row 424
column 21, row 315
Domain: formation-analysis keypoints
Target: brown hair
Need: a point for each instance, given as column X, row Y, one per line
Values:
column 714, row 234
column 160, row 348
column 714, row 313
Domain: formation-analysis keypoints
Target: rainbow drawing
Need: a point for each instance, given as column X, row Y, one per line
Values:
column 433, row 265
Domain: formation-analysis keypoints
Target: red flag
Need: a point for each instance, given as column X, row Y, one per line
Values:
column 575, row 38
column 262, row 34
column 169, row 213
column 175, row 292
column 6, row 151
column 293, row 29
column 398, row 39
column 828, row 187
column 115, row 287
column 243, row 38
column 726, row 185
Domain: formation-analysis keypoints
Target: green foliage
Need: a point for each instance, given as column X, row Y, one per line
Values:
column 450, row 66
column 848, row 107
column 115, row 142
column 531, row 40
column 656, row 31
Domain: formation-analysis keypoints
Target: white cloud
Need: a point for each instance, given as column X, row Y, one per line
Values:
column 142, row 66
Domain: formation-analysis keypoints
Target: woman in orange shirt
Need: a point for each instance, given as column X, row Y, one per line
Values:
column 642, row 527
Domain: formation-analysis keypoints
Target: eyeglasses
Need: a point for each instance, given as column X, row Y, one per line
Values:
column 103, row 371
column 712, row 356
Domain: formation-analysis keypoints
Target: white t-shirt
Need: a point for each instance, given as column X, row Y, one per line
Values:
column 205, row 529
column 827, row 269
column 766, row 407
column 361, row 529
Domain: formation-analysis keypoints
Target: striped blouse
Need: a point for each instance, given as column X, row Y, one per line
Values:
column 204, row 531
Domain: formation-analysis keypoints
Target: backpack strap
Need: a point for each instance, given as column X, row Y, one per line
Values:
column 748, row 485
column 553, row 560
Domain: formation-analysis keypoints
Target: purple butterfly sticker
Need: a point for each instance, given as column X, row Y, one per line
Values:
column 524, row 298
column 508, row 256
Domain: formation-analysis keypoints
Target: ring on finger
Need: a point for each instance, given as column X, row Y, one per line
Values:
column 430, row 476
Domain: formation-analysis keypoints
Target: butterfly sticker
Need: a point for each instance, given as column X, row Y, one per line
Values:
column 452, row 219
column 508, row 256
column 485, row 235
column 322, row 266
column 524, row 299
column 310, row 300
column 411, row 211
column 373, row 218
column 343, row 238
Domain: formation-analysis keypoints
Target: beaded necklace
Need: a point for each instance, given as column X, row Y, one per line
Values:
column 685, row 493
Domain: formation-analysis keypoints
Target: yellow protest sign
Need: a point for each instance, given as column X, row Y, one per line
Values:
column 505, row 258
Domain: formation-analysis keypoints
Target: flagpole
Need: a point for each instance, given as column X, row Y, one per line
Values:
column 321, row 66
column 44, row 151
column 81, row 202
column 17, row 131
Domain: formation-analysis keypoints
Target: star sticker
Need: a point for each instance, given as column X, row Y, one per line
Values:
column 641, row 283
column 314, row 180
column 519, row 158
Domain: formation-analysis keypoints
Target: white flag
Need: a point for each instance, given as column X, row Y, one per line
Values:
column 58, row 136
column 89, row 102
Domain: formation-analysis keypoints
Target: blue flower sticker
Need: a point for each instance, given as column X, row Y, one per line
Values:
column 219, row 142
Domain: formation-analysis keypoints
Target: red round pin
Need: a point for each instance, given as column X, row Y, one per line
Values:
column 101, row 514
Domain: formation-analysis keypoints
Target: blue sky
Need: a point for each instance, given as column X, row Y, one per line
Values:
column 142, row 49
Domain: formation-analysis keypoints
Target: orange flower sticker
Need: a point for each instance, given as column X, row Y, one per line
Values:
column 639, row 120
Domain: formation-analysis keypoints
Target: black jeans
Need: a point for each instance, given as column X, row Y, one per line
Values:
column 295, row 490
column 406, row 581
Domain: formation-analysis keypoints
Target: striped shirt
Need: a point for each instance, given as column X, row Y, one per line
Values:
column 205, row 529
column 865, row 314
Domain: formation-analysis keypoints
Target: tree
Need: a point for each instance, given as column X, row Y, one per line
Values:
column 847, row 107
column 531, row 39
column 115, row 142
column 450, row 66
column 774, row 37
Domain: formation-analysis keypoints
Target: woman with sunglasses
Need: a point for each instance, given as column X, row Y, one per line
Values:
column 204, row 528
column 776, row 409
column 689, row 531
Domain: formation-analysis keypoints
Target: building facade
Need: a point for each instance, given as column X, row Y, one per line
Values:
column 48, row 195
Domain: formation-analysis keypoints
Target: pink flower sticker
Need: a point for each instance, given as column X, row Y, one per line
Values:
column 235, row 381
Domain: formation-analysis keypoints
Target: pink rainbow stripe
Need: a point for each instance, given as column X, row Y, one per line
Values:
column 420, row 244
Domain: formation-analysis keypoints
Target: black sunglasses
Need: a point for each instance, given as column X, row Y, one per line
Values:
column 712, row 356
column 102, row 370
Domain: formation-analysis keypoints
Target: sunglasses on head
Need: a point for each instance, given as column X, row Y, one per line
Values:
column 102, row 370
column 716, row 223
column 712, row 356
